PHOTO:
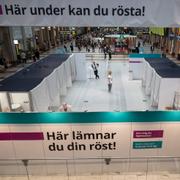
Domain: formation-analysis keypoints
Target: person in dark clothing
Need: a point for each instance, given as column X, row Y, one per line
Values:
column 79, row 47
column 144, row 42
column 137, row 50
column 37, row 54
column 3, row 62
column 65, row 48
column 93, row 47
column 95, row 69
column 19, row 58
column 152, row 49
column 139, row 44
column 71, row 47
column 34, row 58
column 164, row 55
column 105, row 54
column 110, row 54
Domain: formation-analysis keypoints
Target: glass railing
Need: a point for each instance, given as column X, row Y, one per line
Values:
column 109, row 168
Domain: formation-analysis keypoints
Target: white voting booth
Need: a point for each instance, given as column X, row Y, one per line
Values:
column 163, row 91
column 49, row 91
column 159, row 85
column 136, row 67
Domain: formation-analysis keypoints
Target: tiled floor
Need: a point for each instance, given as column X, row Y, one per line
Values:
column 142, row 176
column 93, row 95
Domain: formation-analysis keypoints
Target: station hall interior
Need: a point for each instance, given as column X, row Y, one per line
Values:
column 112, row 49
column 69, row 69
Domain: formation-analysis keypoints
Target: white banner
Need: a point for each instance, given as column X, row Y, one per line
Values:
column 91, row 140
column 134, row 13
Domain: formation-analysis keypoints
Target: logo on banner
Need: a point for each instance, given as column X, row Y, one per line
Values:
column 147, row 134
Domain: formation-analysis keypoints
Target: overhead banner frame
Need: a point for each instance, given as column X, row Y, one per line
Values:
column 136, row 13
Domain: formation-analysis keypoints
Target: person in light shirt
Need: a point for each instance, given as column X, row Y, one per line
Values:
column 109, row 81
column 65, row 107
column 23, row 57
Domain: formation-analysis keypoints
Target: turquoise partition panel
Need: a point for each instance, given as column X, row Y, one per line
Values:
column 144, row 55
column 94, row 117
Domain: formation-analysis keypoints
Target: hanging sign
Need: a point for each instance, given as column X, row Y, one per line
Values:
column 135, row 13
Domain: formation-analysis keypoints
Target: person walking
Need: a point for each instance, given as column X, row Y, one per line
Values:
column 109, row 81
column 3, row 62
column 144, row 42
column 139, row 44
column 93, row 47
column 105, row 52
column 95, row 69
column 34, row 57
column 110, row 54
column 37, row 54
column 23, row 57
column 65, row 48
column 71, row 47
column 152, row 49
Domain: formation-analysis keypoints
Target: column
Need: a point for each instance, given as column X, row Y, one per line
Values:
column 41, row 39
column 24, row 39
column 175, row 42
column 34, row 38
column 53, row 36
column 47, row 37
column 57, row 36
column 8, row 47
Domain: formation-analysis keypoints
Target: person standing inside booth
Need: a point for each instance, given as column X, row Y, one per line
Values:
column 95, row 69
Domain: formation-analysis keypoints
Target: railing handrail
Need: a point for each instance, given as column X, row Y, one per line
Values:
column 97, row 158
